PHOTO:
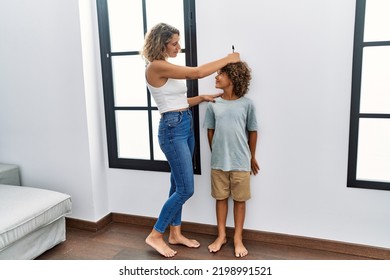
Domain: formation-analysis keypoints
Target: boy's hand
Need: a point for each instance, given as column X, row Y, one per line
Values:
column 254, row 166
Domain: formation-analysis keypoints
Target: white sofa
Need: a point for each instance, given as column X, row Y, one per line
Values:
column 32, row 220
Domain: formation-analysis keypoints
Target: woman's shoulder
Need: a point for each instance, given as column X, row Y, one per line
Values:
column 155, row 64
column 154, row 72
column 161, row 66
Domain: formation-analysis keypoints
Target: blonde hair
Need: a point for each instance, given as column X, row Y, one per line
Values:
column 156, row 41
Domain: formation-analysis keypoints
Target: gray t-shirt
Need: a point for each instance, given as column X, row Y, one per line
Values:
column 231, row 121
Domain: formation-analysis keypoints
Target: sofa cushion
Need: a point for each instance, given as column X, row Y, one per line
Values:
column 25, row 209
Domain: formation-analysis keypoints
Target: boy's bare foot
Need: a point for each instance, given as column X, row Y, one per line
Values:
column 158, row 243
column 217, row 244
column 179, row 239
column 239, row 249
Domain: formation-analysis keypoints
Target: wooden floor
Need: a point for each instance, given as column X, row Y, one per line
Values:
column 120, row 241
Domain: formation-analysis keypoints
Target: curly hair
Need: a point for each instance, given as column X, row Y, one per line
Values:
column 156, row 41
column 239, row 74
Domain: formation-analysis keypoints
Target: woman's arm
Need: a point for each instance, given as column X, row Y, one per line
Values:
column 193, row 101
column 165, row 70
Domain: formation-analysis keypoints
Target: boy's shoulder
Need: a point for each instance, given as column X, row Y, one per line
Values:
column 246, row 100
column 242, row 100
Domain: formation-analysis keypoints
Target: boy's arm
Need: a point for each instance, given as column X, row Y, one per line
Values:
column 252, row 140
column 210, row 135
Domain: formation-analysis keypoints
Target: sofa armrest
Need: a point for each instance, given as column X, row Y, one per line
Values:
column 9, row 174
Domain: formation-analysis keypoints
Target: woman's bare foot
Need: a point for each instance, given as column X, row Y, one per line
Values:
column 156, row 241
column 239, row 249
column 179, row 239
column 217, row 244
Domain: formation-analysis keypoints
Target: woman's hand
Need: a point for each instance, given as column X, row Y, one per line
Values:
column 210, row 97
column 193, row 101
column 234, row 57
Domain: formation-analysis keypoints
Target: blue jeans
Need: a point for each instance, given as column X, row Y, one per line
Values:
column 176, row 139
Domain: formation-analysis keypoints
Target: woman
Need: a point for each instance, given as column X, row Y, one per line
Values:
column 175, row 134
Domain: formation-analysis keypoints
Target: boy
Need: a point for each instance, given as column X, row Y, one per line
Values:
column 232, row 133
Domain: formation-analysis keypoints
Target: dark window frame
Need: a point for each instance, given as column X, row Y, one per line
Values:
column 109, row 105
column 359, row 46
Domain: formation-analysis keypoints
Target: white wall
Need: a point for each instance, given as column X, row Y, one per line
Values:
column 301, row 56
column 43, row 110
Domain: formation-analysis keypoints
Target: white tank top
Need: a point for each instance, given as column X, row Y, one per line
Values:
column 171, row 96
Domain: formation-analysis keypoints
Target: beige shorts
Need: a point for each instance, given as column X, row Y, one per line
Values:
column 230, row 183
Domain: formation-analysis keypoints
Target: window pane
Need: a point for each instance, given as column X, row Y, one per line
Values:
column 377, row 21
column 375, row 87
column 166, row 11
column 126, row 25
column 129, row 81
column 132, row 119
column 373, row 161
column 133, row 134
column 158, row 154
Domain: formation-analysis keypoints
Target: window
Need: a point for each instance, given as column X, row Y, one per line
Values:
column 369, row 147
column 131, row 115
